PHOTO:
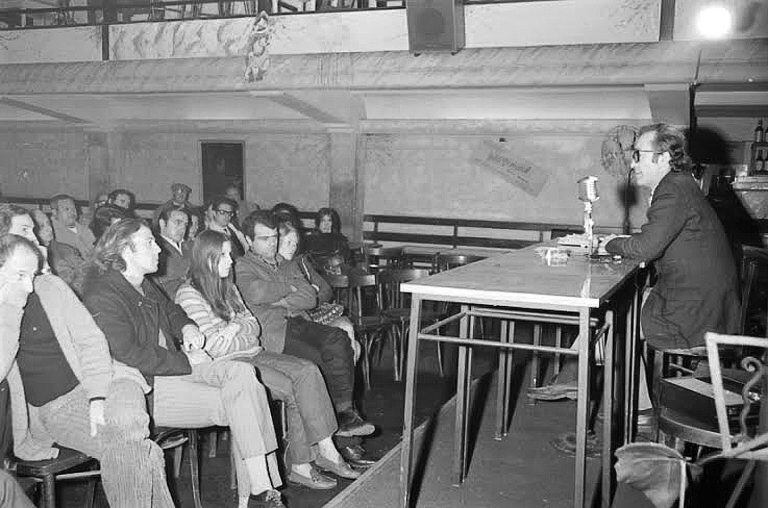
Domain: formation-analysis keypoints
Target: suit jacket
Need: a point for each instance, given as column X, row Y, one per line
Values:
column 172, row 267
column 697, row 286
column 83, row 240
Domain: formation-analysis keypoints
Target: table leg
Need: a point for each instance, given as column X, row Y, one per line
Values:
column 608, row 365
column 582, row 403
column 462, row 404
column 503, row 379
column 406, row 453
column 631, row 365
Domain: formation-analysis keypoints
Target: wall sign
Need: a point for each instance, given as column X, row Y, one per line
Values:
column 497, row 158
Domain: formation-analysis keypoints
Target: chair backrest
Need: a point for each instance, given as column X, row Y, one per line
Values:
column 754, row 364
column 374, row 255
column 389, row 285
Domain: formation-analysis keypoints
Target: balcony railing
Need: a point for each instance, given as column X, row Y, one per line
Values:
column 56, row 13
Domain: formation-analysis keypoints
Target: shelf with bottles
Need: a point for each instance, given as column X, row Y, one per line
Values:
column 758, row 152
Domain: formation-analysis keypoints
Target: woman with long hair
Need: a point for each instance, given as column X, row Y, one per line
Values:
column 327, row 246
column 211, row 299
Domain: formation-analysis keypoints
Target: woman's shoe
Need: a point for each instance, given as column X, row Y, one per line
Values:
column 315, row 480
column 340, row 469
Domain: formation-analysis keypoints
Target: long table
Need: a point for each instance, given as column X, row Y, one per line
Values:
column 520, row 286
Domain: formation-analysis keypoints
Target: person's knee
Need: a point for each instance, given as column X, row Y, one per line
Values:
column 126, row 409
column 239, row 371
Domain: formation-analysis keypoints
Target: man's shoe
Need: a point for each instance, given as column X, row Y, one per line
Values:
column 355, row 457
column 267, row 499
column 315, row 480
column 352, row 424
column 340, row 469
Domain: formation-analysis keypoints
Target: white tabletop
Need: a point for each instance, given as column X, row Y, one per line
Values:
column 521, row 277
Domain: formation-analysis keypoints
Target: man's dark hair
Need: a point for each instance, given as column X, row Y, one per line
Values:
column 166, row 210
column 264, row 217
column 216, row 201
column 671, row 140
column 54, row 201
column 7, row 212
column 108, row 253
column 113, row 195
column 104, row 216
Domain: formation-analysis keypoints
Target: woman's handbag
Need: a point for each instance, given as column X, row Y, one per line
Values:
column 325, row 313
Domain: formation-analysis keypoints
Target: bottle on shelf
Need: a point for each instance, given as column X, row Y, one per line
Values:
column 760, row 163
column 759, row 134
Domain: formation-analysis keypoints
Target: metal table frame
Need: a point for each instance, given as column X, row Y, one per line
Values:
column 567, row 311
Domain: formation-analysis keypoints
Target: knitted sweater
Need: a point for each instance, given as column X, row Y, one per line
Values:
column 87, row 353
column 221, row 337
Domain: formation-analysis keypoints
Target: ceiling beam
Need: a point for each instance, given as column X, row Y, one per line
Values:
column 669, row 103
column 733, row 111
column 42, row 111
column 309, row 110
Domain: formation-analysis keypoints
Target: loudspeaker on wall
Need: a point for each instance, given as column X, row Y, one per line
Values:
column 435, row 25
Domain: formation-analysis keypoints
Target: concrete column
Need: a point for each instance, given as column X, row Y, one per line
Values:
column 97, row 161
column 345, row 195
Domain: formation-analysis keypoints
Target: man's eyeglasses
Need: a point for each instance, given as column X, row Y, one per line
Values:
column 636, row 154
column 228, row 213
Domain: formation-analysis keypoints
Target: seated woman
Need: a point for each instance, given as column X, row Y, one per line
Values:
column 301, row 271
column 211, row 299
column 66, row 389
column 325, row 244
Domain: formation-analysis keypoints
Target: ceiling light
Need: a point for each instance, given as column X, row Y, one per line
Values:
column 714, row 22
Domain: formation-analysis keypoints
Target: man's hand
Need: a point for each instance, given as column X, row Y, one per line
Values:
column 198, row 356
column 97, row 415
column 192, row 337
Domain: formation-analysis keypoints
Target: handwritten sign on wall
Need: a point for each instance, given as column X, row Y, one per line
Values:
column 497, row 158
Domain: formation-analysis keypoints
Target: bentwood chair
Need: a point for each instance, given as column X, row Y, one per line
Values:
column 396, row 307
column 377, row 257
column 368, row 322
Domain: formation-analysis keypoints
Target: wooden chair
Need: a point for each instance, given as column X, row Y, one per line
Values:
column 369, row 323
column 376, row 257
column 754, row 264
column 445, row 261
column 172, row 438
column 47, row 472
column 395, row 306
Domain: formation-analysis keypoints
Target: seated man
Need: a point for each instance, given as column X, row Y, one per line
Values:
column 172, row 223
column 268, row 294
column 18, row 265
column 66, row 389
column 66, row 228
column 219, row 214
column 179, row 199
column 142, row 326
column 65, row 260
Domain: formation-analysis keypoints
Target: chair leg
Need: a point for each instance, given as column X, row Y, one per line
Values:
column 535, row 355
column 212, row 445
column 177, row 461
column 397, row 345
column 232, row 469
column 749, row 468
column 49, row 492
column 558, row 343
column 440, row 359
column 194, row 468
column 90, row 492
column 365, row 362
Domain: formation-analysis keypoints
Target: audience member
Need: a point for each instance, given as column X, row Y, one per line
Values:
column 325, row 244
column 194, row 223
column 18, row 264
column 269, row 294
column 105, row 216
column 234, row 193
column 143, row 328
column 212, row 300
column 219, row 215
column 174, row 264
column 123, row 198
column 65, row 260
column 66, row 228
column 76, row 397
column 286, row 212
column 16, row 220
column 179, row 199
column 300, row 272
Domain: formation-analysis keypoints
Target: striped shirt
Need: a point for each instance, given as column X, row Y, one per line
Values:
column 221, row 337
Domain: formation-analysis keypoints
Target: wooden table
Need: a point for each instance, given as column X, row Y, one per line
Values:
column 518, row 285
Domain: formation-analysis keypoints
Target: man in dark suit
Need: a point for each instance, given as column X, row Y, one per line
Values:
column 172, row 225
column 697, row 286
